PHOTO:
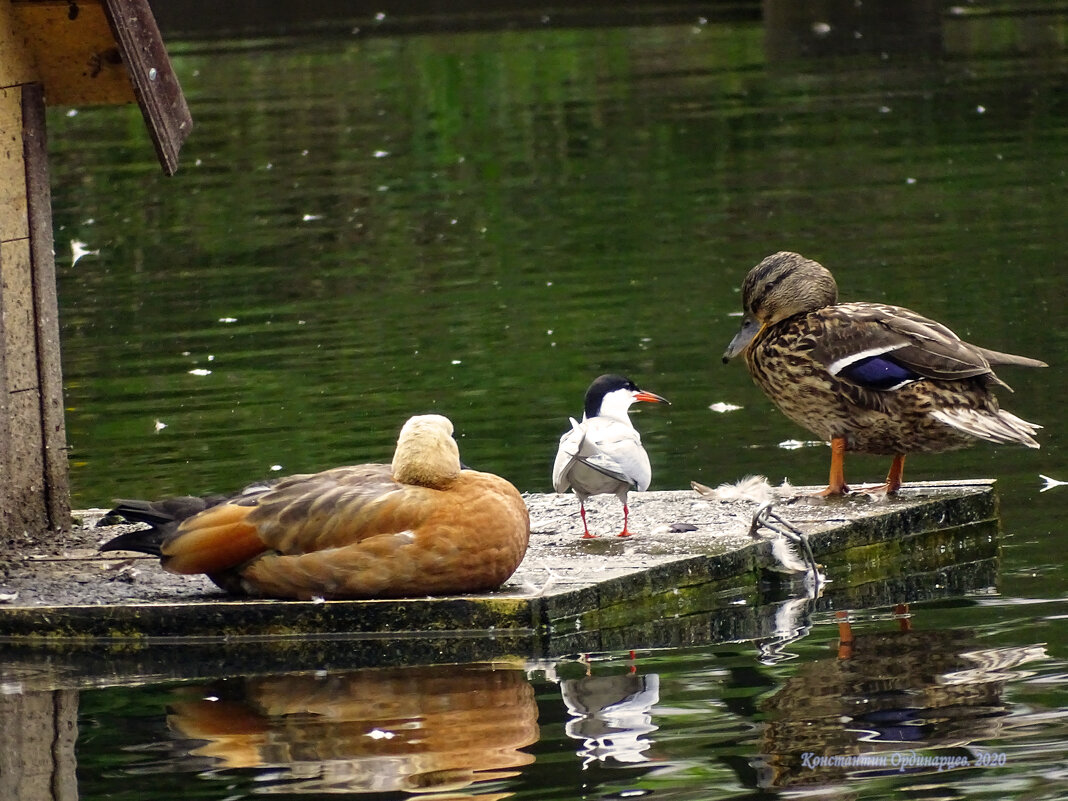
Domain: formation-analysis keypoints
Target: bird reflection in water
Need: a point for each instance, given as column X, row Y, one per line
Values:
column 610, row 715
column 939, row 691
column 423, row 729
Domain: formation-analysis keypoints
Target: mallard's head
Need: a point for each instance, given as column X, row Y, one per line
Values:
column 785, row 284
column 781, row 286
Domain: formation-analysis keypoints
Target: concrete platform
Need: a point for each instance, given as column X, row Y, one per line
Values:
column 691, row 574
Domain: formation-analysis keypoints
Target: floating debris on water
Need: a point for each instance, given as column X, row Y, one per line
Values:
column 78, row 250
column 1051, row 483
column 794, row 444
column 721, row 407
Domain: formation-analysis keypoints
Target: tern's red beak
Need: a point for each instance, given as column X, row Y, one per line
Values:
column 649, row 397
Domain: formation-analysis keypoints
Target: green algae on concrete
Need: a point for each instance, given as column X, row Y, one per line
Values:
column 692, row 572
column 234, row 619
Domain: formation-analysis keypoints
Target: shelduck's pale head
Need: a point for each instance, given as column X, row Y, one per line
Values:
column 426, row 453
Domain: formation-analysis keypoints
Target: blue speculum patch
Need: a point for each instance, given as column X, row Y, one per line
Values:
column 878, row 372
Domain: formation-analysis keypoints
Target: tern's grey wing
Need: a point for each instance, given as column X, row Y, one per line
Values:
column 566, row 455
column 607, row 467
column 617, row 450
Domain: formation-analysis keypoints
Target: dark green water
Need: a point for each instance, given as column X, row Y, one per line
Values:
column 374, row 224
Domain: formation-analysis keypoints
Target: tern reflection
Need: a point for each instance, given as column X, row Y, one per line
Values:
column 610, row 715
column 424, row 729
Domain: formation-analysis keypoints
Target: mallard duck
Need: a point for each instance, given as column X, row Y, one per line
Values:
column 603, row 455
column 420, row 526
column 868, row 377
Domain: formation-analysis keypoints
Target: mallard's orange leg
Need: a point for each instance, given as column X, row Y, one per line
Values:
column 904, row 622
column 893, row 478
column 836, row 483
column 897, row 471
column 845, row 636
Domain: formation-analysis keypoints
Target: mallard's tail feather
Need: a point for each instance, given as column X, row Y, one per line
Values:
column 1000, row 426
column 997, row 357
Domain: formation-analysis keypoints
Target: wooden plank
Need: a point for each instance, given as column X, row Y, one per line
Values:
column 55, row 475
column 16, row 291
column 64, row 785
column 10, row 226
column 18, row 472
column 37, row 743
column 16, row 62
column 25, row 496
column 12, row 167
column 27, row 512
column 97, row 51
column 6, row 502
column 74, row 51
column 35, row 485
column 155, row 84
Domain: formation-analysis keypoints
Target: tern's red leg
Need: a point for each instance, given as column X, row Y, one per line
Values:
column 626, row 513
column 586, row 529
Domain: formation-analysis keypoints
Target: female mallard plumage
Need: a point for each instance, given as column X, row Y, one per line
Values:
column 867, row 377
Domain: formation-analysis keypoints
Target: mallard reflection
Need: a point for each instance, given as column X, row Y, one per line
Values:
column 935, row 691
column 439, row 728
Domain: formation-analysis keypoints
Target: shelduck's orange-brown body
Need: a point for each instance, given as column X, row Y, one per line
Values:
column 421, row 526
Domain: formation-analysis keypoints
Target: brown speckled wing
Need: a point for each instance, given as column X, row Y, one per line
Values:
column 336, row 507
column 922, row 345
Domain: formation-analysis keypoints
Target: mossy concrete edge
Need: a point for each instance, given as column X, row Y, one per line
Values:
column 858, row 543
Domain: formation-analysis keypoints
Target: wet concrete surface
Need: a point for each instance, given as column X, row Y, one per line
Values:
column 670, row 527
column 690, row 575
